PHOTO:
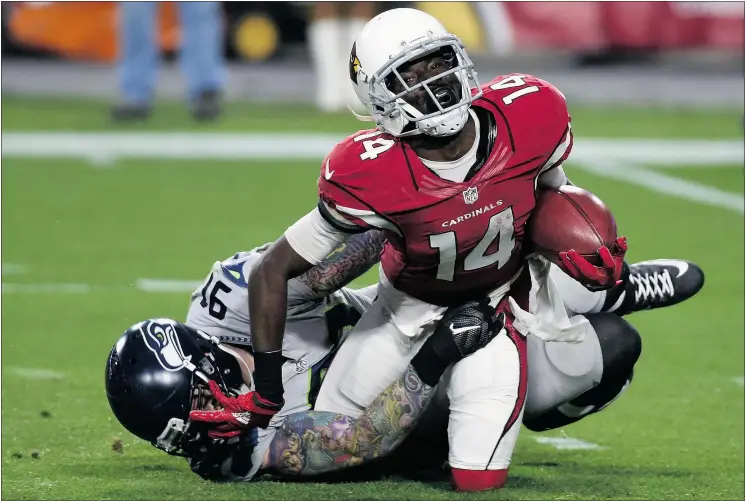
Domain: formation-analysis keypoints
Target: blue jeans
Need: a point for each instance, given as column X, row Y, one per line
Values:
column 201, row 54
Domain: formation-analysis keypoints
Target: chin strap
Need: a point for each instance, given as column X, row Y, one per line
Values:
column 361, row 118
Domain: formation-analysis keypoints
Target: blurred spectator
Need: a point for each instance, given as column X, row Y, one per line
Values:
column 201, row 57
column 331, row 34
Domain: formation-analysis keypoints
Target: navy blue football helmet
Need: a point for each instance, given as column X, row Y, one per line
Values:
column 158, row 371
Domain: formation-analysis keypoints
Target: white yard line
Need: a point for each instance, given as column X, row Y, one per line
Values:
column 615, row 159
column 739, row 381
column 33, row 373
column 568, row 443
column 666, row 184
column 14, row 288
column 13, row 269
column 668, row 153
column 158, row 285
column 104, row 147
column 167, row 285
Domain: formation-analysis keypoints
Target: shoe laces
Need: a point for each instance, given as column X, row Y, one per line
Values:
column 652, row 286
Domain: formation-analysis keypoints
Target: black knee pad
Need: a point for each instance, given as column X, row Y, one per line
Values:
column 621, row 347
column 620, row 344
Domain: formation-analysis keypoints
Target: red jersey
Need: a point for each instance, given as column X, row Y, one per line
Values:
column 451, row 241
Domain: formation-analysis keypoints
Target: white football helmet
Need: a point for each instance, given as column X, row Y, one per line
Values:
column 396, row 37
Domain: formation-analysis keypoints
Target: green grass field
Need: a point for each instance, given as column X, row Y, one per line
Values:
column 77, row 238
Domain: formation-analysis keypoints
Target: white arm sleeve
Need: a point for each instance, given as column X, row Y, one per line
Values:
column 552, row 178
column 314, row 238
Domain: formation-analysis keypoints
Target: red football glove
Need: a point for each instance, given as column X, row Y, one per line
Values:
column 596, row 278
column 243, row 412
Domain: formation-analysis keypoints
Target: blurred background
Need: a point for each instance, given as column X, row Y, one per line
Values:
column 641, row 52
column 141, row 142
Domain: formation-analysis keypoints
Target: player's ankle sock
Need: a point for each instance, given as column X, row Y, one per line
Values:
column 478, row 480
column 615, row 298
column 324, row 39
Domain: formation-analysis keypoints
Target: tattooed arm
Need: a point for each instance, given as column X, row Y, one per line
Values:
column 346, row 263
column 310, row 443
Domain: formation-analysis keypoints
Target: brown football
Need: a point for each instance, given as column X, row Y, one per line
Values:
column 567, row 218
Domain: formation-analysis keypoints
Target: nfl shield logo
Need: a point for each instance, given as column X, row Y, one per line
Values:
column 471, row 195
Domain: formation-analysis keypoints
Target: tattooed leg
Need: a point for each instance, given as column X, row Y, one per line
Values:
column 311, row 443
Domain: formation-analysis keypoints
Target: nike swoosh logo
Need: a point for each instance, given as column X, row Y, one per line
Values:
column 681, row 266
column 458, row 330
column 328, row 173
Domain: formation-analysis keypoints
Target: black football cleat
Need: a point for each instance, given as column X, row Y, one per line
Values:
column 659, row 283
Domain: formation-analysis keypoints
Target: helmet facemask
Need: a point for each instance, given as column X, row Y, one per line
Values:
column 447, row 109
column 182, row 437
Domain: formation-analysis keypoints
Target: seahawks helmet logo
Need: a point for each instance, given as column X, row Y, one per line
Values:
column 354, row 63
column 162, row 340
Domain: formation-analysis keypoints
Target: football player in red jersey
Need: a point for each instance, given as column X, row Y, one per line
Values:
column 449, row 175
